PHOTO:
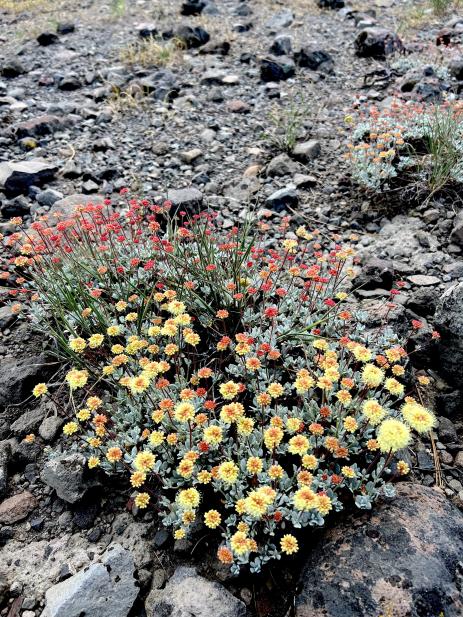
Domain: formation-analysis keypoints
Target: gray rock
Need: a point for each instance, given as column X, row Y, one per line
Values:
column 403, row 558
column 104, row 589
column 189, row 595
column 50, row 427
column 19, row 376
column 65, row 474
column 307, row 151
column 28, row 422
column 5, row 456
column 12, row 68
column 48, row 197
column 448, row 320
column 192, row 36
column 423, row 280
column 189, row 199
column 281, row 46
column 457, row 231
column 6, row 317
column 280, row 20
column 39, row 126
column 447, row 431
column 17, row 176
column 281, row 165
column 283, row 198
column 66, row 207
column 375, row 273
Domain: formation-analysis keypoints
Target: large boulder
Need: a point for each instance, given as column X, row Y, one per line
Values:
column 104, row 589
column 448, row 320
column 189, row 595
column 404, row 559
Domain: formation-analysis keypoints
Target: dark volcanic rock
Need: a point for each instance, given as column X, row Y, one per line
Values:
column 313, row 59
column 17, row 177
column 331, row 4
column 405, row 558
column 448, row 321
column 377, row 42
column 192, row 36
column 39, row 126
column 12, row 68
column 47, row 38
column 19, row 376
column 277, row 70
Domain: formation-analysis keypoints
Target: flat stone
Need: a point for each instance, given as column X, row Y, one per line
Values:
column 308, row 150
column 104, row 589
column 17, row 176
column 423, row 280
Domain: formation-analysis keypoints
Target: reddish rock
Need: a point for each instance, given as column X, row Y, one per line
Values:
column 17, row 508
column 238, row 107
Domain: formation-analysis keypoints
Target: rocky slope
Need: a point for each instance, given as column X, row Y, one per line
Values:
column 245, row 114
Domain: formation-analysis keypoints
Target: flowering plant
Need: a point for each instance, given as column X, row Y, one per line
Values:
column 223, row 373
column 408, row 143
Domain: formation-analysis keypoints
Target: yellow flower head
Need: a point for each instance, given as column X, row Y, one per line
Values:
column 393, row 435
column 228, row 472
column 288, row 544
column 212, row 519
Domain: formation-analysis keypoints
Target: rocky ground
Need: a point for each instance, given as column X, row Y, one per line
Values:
column 246, row 114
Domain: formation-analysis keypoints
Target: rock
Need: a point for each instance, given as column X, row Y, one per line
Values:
column 422, row 280
column 104, row 589
column 65, row 473
column 282, row 199
column 375, row 273
column 17, row 177
column 189, row 595
column 281, row 46
column 47, row 38
column 280, row 165
column 307, row 150
column 423, row 301
column 69, row 82
column 280, row 20
column 193, row 7
column 39, row 126
column 189, row 199
column 65, row 28
column 28, row 422
column 67, row 206
column 6, row 315
column 19, row 376
column 17, row 508
column 48, row 197
column 331, row 4
column 314, row 59
column 448, row 321
column 12, row 68
column 304, row 181
column 5, row 456
column 235, row 106
column 447, row 431
column 277, row 70
column 414, row 545
column 457, row 230
column 50, row 427
column 190, row 156
column 147, row 30
column 192, row 36
column 375, row 42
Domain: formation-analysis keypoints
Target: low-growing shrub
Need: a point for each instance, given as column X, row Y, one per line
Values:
column 222, row 372
column 408, row 144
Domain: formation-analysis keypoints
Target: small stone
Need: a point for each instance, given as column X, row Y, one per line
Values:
column 447, row 431
column 47, row 38
column 374, row 42
column 277, row 70
column 282, row 199
column 12, row 68
column 280, row 20
column 191, row 155
column 50, row 427
column 65, row 473
column 5, row 456
column 192, row 36
column 281, row 46
column 307, row 150
column 17, row 508
column 65, row 28
column 423, row 280
column 189, row 199
column 236, row 106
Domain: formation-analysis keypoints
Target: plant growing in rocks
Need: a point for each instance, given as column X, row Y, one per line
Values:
column 222, row 372
column 408, row 145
